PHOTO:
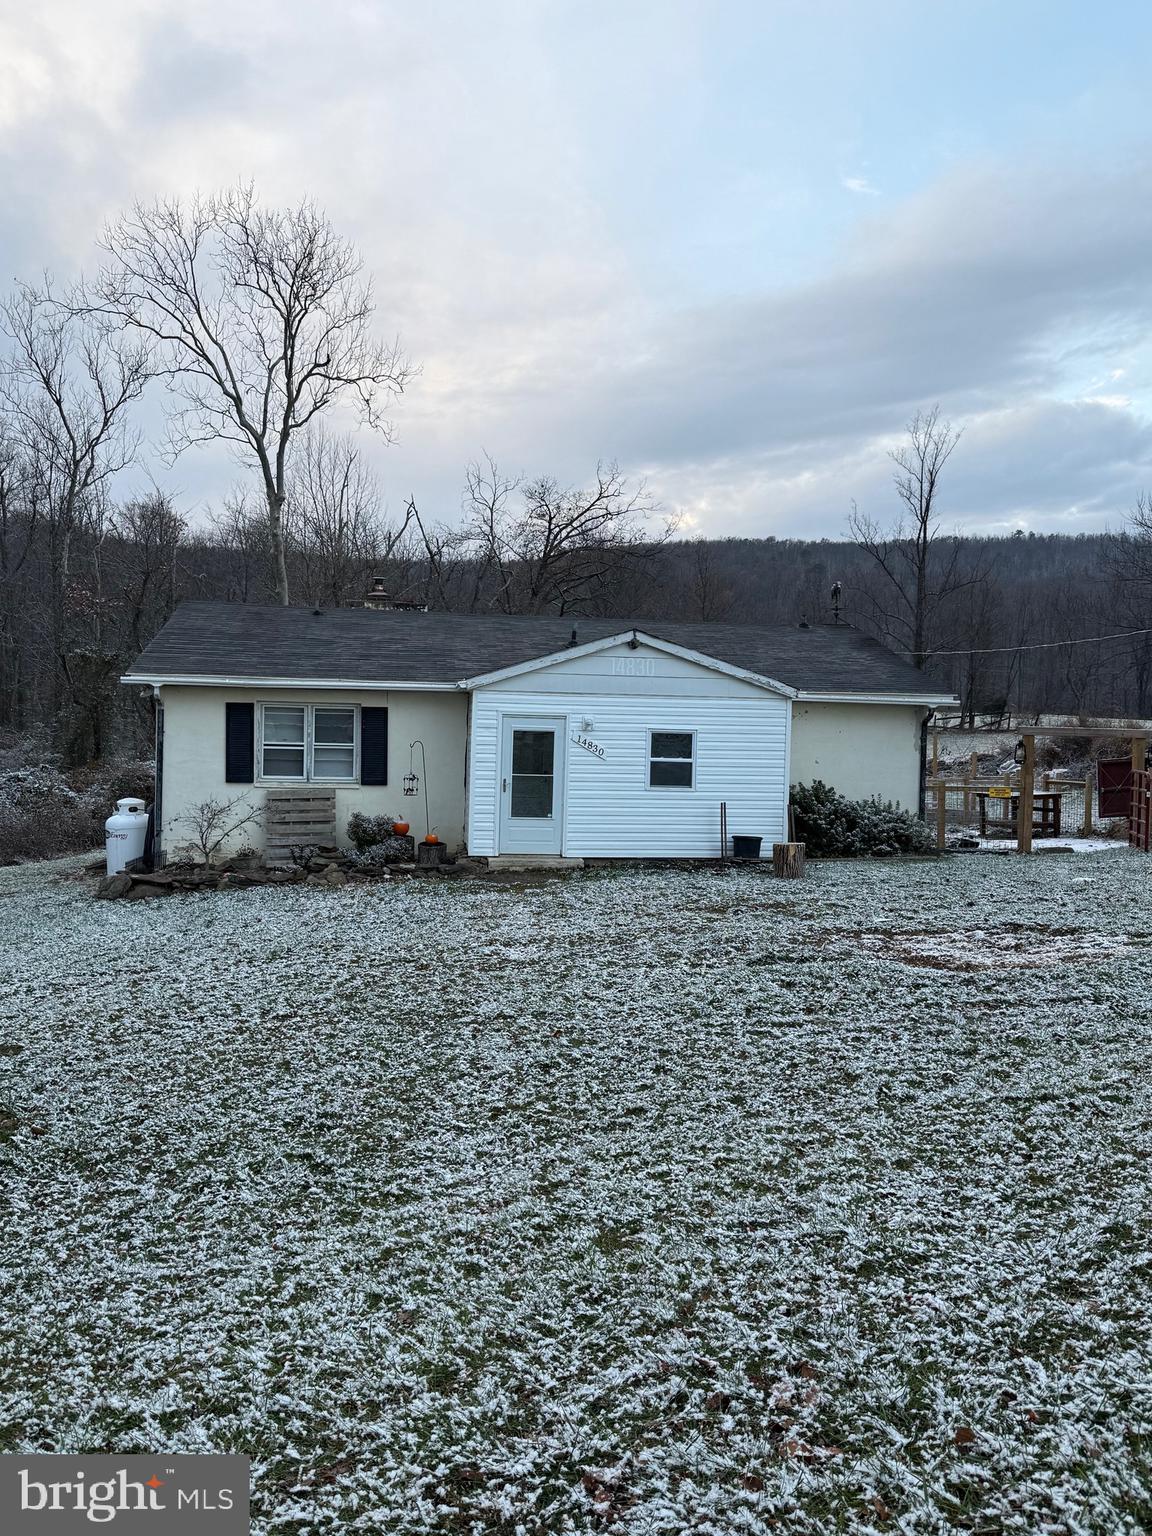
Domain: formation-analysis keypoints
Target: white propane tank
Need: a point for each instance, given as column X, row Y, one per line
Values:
column 124, row 834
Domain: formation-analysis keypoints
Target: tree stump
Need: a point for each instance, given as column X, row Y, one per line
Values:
column 788, row 861
column 429, row 855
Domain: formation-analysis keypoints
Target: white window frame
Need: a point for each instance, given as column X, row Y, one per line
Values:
column 669, row 730
column 310, row 775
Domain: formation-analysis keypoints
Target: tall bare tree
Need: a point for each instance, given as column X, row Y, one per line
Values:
column 919, row 568
column 259, row 320
column 555, row 547
column 335, row 527
column 68, row 383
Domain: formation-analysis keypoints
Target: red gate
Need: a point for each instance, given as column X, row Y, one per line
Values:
column 1114, row 787
column 1140, row 816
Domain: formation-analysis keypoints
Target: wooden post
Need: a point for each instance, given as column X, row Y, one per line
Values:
column 1139, row 753
column 1026, row 803
column 1089, row 791
column 941, row 813
column 788, row 860
column 973, row 775
column 935, row 751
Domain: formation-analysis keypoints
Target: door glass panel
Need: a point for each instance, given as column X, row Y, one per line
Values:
column 533, row 759
column 532, row 751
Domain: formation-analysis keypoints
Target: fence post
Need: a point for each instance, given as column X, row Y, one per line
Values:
column 1089, row 791
column 1025, row 804
column 941, row 813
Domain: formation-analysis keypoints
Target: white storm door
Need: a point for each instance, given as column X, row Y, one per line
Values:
column 532, row 784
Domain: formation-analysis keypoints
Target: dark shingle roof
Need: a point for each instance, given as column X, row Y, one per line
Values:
column 236, row 640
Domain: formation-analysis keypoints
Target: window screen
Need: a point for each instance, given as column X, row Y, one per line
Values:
column 671, row 756
column 305, row 742
column 334, row 744
column 283, row 755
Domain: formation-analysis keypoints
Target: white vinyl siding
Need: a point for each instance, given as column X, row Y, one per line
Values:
column 740, row 739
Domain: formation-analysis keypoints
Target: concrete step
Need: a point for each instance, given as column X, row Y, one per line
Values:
column 533, row 861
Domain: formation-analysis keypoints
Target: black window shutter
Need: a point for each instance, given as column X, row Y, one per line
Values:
column 239, row 743
column 373, row 746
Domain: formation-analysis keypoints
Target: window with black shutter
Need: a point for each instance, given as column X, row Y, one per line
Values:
column 239, row 743
column 373, row 745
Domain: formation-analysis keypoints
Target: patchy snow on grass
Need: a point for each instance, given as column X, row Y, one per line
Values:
column 633, row 1202
column 1048, row 845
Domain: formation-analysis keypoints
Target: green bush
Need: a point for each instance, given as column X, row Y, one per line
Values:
column 835, row 827
column 366, row 831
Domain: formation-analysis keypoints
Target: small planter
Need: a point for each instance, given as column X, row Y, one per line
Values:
column 746, row 847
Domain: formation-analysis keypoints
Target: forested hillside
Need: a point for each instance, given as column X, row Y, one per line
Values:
column 78, row 602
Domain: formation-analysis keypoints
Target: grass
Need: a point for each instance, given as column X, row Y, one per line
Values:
column 651, row 1202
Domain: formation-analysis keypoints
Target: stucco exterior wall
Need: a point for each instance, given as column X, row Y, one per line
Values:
column 194, row 757
column 862, row 750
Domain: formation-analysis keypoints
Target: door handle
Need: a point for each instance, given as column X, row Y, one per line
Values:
column 504, row 786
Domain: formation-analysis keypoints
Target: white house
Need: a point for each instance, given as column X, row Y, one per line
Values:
column 548, row 736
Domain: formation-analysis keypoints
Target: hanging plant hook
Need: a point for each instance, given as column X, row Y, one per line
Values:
column 412, row 781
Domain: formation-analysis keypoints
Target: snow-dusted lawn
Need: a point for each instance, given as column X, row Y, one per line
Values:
column 657, row 1202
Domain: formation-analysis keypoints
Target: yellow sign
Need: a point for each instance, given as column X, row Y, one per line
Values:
column 1000, row 792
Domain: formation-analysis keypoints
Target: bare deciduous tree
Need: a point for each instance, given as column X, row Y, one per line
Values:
column 333, row 519
column 68, row 383
column 213, row 822
column 919, row 568
column 554, row 548
column 259, row 320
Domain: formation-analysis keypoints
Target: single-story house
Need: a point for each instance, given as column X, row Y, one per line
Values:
column 571, row 737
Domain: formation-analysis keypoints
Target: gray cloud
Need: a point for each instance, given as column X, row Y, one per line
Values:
column 449, row 145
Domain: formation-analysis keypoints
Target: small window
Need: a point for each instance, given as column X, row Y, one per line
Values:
column 334, row 744
column 671, row 759
column 306, row 742
column 283, row 742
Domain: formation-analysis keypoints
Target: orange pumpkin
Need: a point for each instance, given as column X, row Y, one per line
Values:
column 431, row 838
column 400, row 828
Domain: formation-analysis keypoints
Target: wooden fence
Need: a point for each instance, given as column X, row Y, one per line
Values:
column 954, row 802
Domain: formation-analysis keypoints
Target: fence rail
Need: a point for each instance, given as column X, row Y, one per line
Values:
column 955, row 804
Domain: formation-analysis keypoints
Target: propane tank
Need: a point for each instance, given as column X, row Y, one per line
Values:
column 124, row 834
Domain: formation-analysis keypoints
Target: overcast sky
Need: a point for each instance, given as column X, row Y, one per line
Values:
column 733, row 246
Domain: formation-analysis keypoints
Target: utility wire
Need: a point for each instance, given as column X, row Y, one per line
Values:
column 1044, row 645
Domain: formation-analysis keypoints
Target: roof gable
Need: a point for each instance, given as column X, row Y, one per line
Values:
column 636, row 639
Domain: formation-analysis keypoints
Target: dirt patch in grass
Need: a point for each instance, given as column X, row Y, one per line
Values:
column 1015, row 946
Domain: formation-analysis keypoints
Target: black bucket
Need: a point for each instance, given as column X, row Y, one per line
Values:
column 746, row 847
